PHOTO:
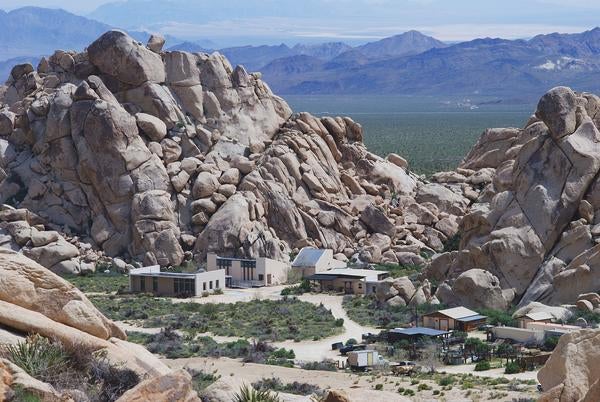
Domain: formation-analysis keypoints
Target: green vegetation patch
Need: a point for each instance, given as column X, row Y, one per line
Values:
column 397, row 271
column 297, row 388
column 100, row 282
column 170, row 344
column 272, row 320
column 368, row 311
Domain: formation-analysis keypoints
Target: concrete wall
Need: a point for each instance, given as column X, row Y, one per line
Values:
column 339, row 285
column 267, row 272
column 210, row 281
column 520, row 335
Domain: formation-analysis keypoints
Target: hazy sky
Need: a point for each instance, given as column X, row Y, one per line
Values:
column 273, row 21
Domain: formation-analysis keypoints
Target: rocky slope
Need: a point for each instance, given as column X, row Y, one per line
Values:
column 33, row 300
column 532, row 234
column 163, row 156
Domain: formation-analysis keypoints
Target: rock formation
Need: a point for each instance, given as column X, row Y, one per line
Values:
column 573, row 371
column 531, row 235
column 33, row 300
column 128, row 151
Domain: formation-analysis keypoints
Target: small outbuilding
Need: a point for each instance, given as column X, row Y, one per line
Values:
column 415, row 334
column 310, row 261
column 457, row 318
column 537, row 317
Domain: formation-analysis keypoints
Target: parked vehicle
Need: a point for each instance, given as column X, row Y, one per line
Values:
column 351, row 348
column 362, row 360
column 403, row 368
column 337, row 345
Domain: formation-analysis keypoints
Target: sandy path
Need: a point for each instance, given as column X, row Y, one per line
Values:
column 319, row 350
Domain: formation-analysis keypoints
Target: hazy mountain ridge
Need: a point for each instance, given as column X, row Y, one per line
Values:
column 482, row 66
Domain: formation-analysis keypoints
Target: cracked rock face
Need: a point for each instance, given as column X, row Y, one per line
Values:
column 157, row 157
column 531, row 227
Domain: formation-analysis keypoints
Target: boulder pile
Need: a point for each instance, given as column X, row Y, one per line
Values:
column 160, row 157
column 532, row 233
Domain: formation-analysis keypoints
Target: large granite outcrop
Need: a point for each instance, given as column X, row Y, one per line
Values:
column 532, row 227
column 160, row 157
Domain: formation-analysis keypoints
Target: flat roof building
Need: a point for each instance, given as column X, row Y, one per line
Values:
column 310, row 261
column 174, row 284
column 457, row 318
column 248, row 272
column 348, row 280
column 415, row 333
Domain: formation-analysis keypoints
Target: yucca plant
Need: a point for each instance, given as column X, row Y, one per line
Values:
column 38, row 356
column 249, row 394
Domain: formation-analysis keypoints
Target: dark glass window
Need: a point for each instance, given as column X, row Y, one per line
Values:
column 155, row 284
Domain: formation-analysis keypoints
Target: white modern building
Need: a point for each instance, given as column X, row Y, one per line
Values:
column 177, row 284
column 348, row 280
column 249, row 273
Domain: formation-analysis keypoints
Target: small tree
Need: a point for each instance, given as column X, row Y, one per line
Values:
column 430, row 356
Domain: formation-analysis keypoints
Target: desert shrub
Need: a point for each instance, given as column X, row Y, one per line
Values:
column 296, row 388
column 249, row 394
column 218, row 291
column 71, row 366
column 300, row 289
column 445, row 381
column 512, row 368
column 39, row 357
column 351, row 342
column 20, row 394
column 201, row 380
column 325, row 365
column 378, row 387
column 550, row 343
column 423, row 387
column 284, row 354
column 482, row 365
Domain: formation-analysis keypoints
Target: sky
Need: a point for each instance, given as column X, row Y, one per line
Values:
column 354, row 21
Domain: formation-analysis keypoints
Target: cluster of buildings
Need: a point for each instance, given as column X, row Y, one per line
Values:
column 316, row 265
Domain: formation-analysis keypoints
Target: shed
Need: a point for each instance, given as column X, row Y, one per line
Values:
column 457, row 318
column 414, row 333
column 536, row 317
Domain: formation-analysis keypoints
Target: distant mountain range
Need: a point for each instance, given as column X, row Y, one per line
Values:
column 494, row 67
column 407, row 64
column 32, row 32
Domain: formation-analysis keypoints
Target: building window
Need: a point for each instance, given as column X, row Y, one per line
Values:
column 204, row 286
column 223, row 263
column 142, row 284
column 217, row 284
column 261, row 277
column 360, row 285
column 155, row 284
column 210, row 285
column 248, row 264
column 186, row 287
